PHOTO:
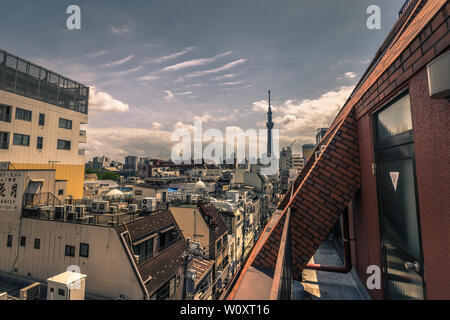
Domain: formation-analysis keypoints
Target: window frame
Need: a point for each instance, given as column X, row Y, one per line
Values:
column 42, row 119
column 9, row 241
column 7, row 117
column 40, row 146
column 64, row 141
column 68, row 251
column 6, row 142
column 23, row 241
column 86, row 246
column 22, row 140
column 37, row 243
column 65, row 123
column 24, row 112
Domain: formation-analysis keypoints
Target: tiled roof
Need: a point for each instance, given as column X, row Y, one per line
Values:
column 163, row 267
column 325, row 186
column 213, row 218
column 166, row 264
column 201, row 266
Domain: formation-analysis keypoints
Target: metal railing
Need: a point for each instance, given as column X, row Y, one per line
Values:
column 40, row 199
column 282, row 278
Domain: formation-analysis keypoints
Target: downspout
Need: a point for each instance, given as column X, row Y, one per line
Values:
column 135, row 268
column 347, row 267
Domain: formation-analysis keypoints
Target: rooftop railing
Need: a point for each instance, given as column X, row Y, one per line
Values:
column 30, row 80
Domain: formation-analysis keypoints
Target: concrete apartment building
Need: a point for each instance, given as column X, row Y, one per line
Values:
column 37, row 241
column 383, row 166
column 41, row 119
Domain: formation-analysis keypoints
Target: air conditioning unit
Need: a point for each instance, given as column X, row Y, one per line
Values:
column 59, row 212
column 79, row 211
column 133, row 207
column 113, row 209
column 69, row 208
column 439, row 76
column 148, row 204
column 100, row 206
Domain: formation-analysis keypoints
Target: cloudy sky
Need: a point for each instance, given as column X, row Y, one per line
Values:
column 157, row 65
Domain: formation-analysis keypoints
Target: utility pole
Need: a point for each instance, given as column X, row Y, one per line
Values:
column 187, row 258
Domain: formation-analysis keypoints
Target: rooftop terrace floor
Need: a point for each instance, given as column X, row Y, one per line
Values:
column 320, row 285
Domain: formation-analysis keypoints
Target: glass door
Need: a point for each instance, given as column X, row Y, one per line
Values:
column 399, row 219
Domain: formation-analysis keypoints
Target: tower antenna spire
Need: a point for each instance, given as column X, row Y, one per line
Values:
column 269, row 125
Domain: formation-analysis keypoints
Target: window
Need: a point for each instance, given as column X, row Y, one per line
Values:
column 61, row 292
column 84, row 250
column 65, row 124
column 166, row 291
column 21, row 139
column 144, row 250
column 23, row 241
column 41, row 119
column 4, row 140
column 40, row 141
column 5, row 113
column 9, row 241
column 70, row 251
column 138, row 192
column 22, row 114
column 394, row 120
column 37, row 243
column 60, row 192
column 63, row 145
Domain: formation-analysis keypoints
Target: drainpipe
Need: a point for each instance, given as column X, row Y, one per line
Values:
column 135, row 267
column 347, row 252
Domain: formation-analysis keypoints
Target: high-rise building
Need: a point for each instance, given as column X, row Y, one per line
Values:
column 41, row 115
column 131, row 163
column 308, row 150
column 286, row 159
column 298, row 162
column 269, row 125
column 320, row 134
column 101, row 162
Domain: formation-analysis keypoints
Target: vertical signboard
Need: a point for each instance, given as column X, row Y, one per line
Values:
column 11, row 190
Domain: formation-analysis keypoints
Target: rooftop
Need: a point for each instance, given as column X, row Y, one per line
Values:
column 33, row 81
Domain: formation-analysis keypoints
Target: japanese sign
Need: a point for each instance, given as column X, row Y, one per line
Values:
column 11, row 190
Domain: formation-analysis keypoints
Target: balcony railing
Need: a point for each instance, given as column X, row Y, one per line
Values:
column 40, row 199
column 282, row 277
column 82, row 138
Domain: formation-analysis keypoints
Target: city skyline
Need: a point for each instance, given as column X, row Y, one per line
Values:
column 213, row 63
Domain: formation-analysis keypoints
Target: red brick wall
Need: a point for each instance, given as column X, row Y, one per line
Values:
column 320, row 199
column 431, row 128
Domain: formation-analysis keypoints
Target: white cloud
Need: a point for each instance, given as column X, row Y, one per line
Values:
column 263, row 106
column 104, row 102
column 156, row 125
column 230, row 83
column 97, row 54
column 299, row 119
column 225, row 76
column 117, row 142
column 169, row 96
column 195, row 62
column 173, row 55
column 119, row 62
column 222, row 68
column 147, row 78
column 125, row 72
column 120, row 31
column 350, row 75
